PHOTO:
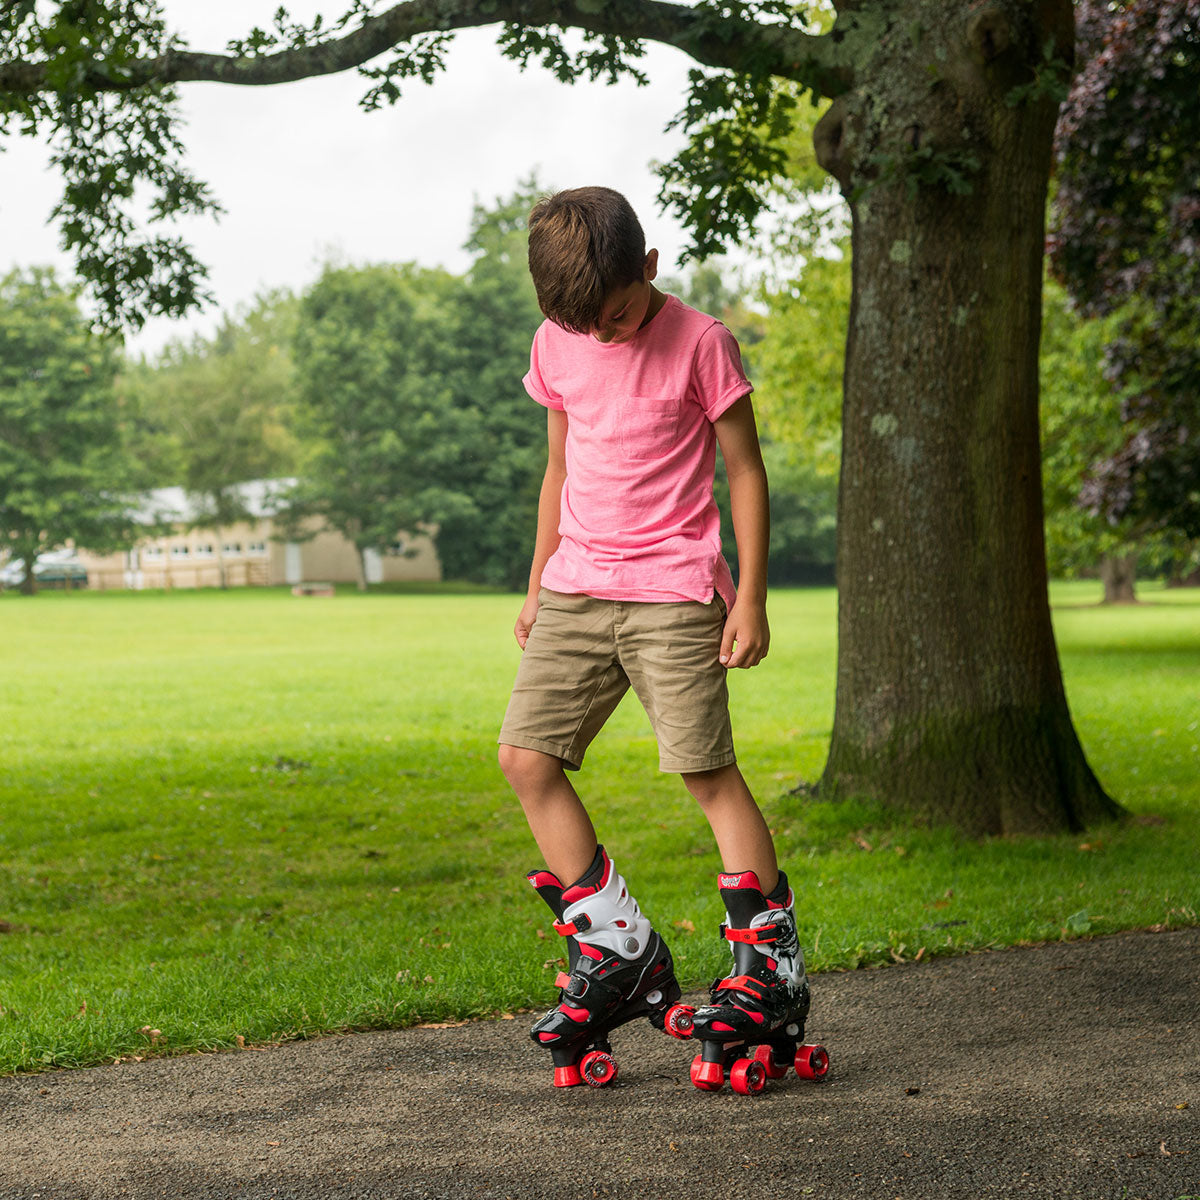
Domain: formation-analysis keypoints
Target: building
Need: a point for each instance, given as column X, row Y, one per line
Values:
column 250, row 553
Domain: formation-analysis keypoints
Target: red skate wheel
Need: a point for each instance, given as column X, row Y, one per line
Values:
column 812, row 1062
column 707, row 1076
column 765, row 1056
column 747, row 1076
column 680, row 1020
column 598, row 1068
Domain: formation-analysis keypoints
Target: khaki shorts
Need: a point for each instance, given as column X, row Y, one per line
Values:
column 584, row 654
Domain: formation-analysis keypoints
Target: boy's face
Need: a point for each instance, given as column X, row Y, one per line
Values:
column 627, row 309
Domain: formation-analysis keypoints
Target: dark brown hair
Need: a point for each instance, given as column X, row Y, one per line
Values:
column 583, row 244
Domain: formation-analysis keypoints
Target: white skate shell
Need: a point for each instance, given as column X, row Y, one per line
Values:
column 610, row 919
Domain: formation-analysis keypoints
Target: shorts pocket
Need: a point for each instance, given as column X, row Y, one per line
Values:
column 649, row 426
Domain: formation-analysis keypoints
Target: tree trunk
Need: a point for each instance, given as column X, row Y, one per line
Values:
column 28, row 554
column 1119, row 573
column 950, row 703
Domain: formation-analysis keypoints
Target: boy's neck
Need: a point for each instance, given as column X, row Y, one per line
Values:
column 657, row 300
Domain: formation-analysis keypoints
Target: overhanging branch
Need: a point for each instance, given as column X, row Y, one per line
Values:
column 776, row 49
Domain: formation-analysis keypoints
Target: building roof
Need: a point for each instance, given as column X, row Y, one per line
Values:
column 175, row 505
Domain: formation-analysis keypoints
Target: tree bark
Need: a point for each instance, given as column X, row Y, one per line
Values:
column 950, row 703
column 1119, row 573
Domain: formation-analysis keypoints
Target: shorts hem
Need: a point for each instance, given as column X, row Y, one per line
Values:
column 570, row 760
column 683, row 767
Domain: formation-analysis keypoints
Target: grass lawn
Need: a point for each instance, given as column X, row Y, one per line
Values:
column 238, row 818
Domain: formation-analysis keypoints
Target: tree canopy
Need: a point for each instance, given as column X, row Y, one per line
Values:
column 64, row 473
column 1127, row 234
column 99, row 83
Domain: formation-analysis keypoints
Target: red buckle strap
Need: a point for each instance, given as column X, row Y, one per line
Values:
column 755, row 937
column 742, row 983
column 581, row 924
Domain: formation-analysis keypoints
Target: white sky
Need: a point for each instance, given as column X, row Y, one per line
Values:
column 303, row 172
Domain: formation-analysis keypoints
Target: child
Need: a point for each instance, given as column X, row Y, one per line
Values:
column 629, row 588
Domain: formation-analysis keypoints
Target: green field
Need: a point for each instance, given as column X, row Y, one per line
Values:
column 247, row 817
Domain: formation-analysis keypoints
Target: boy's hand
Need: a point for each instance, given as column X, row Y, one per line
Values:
column 746, row 626
column 525, row 620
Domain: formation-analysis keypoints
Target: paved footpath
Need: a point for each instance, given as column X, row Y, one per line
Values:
column 1068, row 1070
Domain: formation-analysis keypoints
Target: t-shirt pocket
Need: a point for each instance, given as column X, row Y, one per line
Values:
column 649, row 426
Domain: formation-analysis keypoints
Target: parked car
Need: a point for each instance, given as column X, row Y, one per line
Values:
column 54, row 569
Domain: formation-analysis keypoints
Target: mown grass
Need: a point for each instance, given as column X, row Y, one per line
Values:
column 248, row 817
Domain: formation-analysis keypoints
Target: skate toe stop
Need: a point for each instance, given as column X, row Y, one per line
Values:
column 567, row 1076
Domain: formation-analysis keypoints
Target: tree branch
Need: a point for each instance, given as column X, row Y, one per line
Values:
column 778, row 49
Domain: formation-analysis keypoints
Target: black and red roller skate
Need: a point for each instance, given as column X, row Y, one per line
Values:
column 619, row 969
column 752, row 1029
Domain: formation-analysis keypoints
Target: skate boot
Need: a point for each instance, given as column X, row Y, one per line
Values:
column 753, row 1026
column 618, row 969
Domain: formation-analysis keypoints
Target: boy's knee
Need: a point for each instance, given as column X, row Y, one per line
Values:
column 707, row 786
column 524, row 768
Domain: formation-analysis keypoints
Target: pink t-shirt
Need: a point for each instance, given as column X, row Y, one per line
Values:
column 639, row 521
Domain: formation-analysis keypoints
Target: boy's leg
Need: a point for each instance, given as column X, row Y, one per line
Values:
column 742, row 835
column 557, row 819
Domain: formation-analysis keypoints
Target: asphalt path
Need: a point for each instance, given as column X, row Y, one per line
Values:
column 1065, row 1070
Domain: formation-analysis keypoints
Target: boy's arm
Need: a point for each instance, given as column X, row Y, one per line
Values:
column 549, row 505
column 746, row 625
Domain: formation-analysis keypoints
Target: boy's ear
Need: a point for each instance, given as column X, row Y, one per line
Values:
column 651, row 266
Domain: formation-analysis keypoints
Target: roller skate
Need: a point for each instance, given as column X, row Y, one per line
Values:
column 619, row 969
column 752, row 1029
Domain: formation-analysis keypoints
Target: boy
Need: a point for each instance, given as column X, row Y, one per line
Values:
column 629, row 588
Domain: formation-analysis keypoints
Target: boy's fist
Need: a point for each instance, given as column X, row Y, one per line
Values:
column 747, row 636
column 525, row 620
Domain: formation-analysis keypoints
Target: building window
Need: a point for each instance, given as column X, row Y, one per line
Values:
column 152, row 552
column 398, row 547
column 181, row 552
column 205, row 550
column 257, row 549
column 231, row 549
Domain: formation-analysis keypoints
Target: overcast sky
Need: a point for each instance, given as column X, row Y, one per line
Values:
column 303, row 172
